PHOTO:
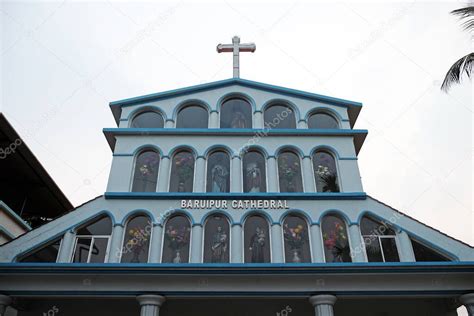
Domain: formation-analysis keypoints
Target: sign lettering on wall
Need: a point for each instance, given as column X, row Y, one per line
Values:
column 236, row 204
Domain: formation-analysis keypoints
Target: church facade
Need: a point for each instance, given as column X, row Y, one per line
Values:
column 235, row 198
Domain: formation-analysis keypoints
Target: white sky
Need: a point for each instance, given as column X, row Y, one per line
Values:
column 63, row 62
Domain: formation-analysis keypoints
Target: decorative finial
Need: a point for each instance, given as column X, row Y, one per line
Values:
column 236, row 48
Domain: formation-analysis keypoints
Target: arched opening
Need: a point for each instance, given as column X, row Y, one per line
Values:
column 325, row 172
column 176, row 240
column 296, row 237
column 236, row 113
column 218, row 172
column 380, row 241
column 279, row 116
column 216, row 239
column 256, row 240
column 254, row 172
column 145, row 174
column 335, row 239
column 192, row 116
column 136, row 242
column 147, row 119
column 322, row 121
column 92, row 241
column 289, row 172
column 182, row 172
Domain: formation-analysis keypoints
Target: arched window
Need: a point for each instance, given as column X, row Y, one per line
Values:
column 148, row 119
column 322, row 120
column 176, row 240
column 92, row 241
column 136, row 242
column 296, row 236
column 380, row 241
column 218, row 172
column 182, row 172
column 216, row 239
column 254, row 172
column 256, row 240
column 45, row 253
column 325, row 172
column 425, row 253
column 336, row 242
column 146, row 171
column 289, row 172
column 279, row 116
column 236, row 113
column 192, row 116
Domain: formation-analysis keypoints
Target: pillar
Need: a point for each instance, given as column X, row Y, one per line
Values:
column 302, row 124
column 308, row 175
column 323, row 304
column 155, row 249
column 200, row 177
column 67, row 245
column 214, row 120
column 164, row 174
column 356, row 243
column 236, row 240
column 316, row 243
column 468, row 301
column 272, row 174
column 257, row 119
column 236, row 176
column 169, row 123
column 406, row 248
column 116, row 246
column 277, row 244
column 196, row 243
column 5, row 301
column 150, row 304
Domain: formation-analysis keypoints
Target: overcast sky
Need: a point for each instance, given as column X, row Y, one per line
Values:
column 63, row 62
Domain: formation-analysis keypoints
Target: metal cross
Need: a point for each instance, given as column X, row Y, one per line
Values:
column 236, row 48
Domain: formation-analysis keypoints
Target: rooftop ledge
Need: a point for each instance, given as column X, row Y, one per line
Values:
column 358, row 135
column 236, row 196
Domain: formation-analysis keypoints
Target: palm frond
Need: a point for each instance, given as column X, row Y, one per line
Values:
column 466, row 14
column 460, row 67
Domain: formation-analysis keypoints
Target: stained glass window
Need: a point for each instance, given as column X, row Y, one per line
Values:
column 136, row 242
column 192, row 116
column 380, row 241
column 216, row 239
column 289, row 172
column 146, row 171
column 176, row 240
column 254, row 172
column 296, row 237
column 279, row 116
column 325, row 172
column 335, row 239
column 236, row 113
column 182, row 172
column 256, row 240
column 322, row 120
column 148, row 119
column 218, row 172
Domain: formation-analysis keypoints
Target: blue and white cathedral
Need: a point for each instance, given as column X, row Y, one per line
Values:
column 235, row 197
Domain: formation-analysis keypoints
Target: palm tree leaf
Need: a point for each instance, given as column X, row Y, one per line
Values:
column 467, row 14
column 454, row 74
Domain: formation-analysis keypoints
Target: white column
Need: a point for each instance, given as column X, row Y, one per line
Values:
column 5, row 301
column 236, row 176
column 308, row 175
column 257, row 119
column 468, row 301
column 150, row 304
column 277, row 244
column 116, row 247
column 196, row 244
column 356, row 243
column 406, row 248
column 323, row 304
column 272, row 174
column 163, row 175
column 316, row 243
column 236, row 240
column 155, row 248
column 169, row 123
column 67, row 245
column 302, row 124
column 214, row 120
column 200, row 175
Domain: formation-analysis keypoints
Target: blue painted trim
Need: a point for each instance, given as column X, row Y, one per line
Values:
column 325, row 110
column 189, row 102
column 236, row 196
column 256, row 212
column 329, row 149
column 217, row 147
column 93, row 218
column 257, row 111
column 179, row 148
column 123, row 120
column 123, row 155
column 292, row 148
column 295, row 212
column 6, row 232
column 218, row 212
column 137, row 212
column 39, row 246
column 348, row 158
column 422, row 240
column 256, row 148
column 147, row 108
column 178, row 212
column 278, row 101
column 15, row 216
column 337, row 213
column 147, row 147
